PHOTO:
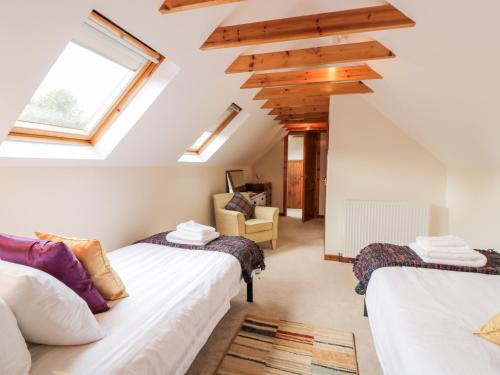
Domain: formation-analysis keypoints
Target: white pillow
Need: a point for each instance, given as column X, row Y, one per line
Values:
column 15, row 358
column 47, row 311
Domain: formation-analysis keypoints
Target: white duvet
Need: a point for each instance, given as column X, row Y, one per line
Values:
column 423, row 321
column 177, row 297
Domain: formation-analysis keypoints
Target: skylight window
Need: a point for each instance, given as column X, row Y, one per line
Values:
column 209, row 135
column 96, row 75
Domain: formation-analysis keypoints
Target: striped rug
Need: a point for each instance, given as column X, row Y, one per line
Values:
column 278, row 347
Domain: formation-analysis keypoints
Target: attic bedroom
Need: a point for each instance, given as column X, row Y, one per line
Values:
column 246, row 187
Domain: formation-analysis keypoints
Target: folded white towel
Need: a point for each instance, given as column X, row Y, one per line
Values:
column 180, row 238
column 448, row 250
column 181, row 235
column 444, row 241
column 192, row 236
column 193, row 227
column 470, row 255
column 478, row 259
column 465, row 253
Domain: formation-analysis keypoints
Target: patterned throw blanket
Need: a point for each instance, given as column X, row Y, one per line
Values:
column 380, row 255
column 248, row 253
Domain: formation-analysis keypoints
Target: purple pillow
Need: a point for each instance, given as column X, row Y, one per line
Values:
column 56, row 259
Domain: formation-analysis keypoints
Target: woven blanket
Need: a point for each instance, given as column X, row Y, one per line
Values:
column 248, row 253
column 379, row 255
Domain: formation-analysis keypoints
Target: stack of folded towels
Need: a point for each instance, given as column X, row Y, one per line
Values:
column 192, row 233
column 449, row 250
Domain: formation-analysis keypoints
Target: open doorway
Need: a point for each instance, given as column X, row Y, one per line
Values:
column 304, row 178
column 295, row 175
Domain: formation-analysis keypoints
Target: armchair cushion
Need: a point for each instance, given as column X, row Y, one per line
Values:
column 240, row 204
column 258, row 225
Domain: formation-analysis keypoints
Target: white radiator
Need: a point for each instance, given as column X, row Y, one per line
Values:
column 377, row 221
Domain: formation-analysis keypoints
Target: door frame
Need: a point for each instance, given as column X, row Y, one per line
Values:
column 285, row 170
column 285, row 175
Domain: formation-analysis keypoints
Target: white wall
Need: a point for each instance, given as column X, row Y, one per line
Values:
column 116, row 205
column 474, row 202
column 269, row 168
column 370, row 158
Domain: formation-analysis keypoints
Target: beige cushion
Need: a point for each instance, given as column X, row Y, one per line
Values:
column 491, row 330
column 95, row 261
column 258, row 225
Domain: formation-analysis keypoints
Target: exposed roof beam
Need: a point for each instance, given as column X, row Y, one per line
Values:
column 339, row 88
column 303, row 116
column 306, row 126
column 171, row 6
column 297, row 102
column 299, row 110
column 380, row 17
column 311, row 57
column 305, row 120
column 322, row 75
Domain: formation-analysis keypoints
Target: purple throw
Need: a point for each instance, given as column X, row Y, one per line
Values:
column 379, row 255
column 248, row 253
column 56, row 259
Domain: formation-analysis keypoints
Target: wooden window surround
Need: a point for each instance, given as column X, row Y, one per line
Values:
column 234, row 110
column 126, row 96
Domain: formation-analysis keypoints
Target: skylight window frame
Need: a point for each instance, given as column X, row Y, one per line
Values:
column 20, row 132
column 235, row 110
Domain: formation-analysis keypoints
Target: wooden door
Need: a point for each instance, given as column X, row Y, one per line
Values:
column 295, row 173
column 310, row 176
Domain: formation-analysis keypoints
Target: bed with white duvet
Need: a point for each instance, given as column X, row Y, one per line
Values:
column 423, row 321
column 177, row 297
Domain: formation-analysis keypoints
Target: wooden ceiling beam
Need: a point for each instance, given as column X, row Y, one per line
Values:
column 340, row 88
column 302, row 116
column 172, row 6
column 297, row 102
column 313, row 126
column 322, row 75
column 304, row 121
column 381, row 17
column 299, row 110
column 311, row 57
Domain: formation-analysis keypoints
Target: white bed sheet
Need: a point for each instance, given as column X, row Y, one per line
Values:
column 177, row 297
column 423, row 321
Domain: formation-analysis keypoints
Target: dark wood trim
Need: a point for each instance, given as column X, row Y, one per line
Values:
column 317, row 177
column 250, row 292
column 339, row 258
column 320, row 216
column 285, row 173
column 326, row 176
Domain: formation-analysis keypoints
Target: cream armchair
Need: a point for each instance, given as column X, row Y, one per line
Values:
column 232, row 223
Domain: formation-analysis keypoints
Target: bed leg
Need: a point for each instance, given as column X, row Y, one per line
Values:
column 365, row 313
column 250, row 291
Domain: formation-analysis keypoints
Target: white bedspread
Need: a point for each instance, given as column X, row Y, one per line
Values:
column 177, row 297
column 422, row 321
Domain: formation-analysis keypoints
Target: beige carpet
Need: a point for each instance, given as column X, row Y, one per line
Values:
column 298, row 285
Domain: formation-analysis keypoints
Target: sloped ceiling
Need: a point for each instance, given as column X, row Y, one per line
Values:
column 440, row 89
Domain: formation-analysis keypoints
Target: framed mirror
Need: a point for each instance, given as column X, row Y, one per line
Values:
column 235, row 180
